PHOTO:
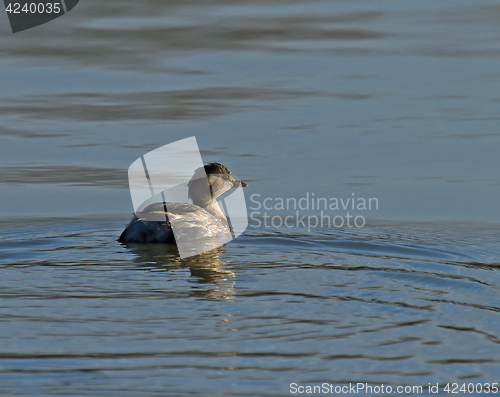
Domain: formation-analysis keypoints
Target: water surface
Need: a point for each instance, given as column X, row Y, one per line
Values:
column 394, row 304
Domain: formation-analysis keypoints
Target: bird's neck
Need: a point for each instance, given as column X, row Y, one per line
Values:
column 212, row 207
column 203, row 201
column 215, row 210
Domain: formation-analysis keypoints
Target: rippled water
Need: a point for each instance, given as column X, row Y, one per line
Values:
column 396, row 304
column 387, row 99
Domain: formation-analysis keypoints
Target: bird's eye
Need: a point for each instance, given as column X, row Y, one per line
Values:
column 226, row 177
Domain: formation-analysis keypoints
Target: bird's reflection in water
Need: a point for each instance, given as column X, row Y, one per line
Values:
column 210, row 275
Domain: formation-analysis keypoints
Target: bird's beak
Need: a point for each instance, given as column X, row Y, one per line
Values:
column 239, row 184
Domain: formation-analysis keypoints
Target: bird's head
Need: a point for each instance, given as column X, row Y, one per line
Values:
column 210, row 182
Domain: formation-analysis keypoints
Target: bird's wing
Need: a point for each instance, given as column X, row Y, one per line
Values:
column 173, row 208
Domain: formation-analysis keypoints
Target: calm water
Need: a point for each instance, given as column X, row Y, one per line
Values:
column 391, row 100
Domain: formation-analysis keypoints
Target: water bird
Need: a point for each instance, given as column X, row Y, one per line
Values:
column 202, row 218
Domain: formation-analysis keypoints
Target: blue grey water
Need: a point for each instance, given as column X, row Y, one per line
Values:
column 392, row 100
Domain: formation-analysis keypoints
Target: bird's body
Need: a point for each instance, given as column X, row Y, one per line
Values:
column 189, row 219
column 202, row 219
